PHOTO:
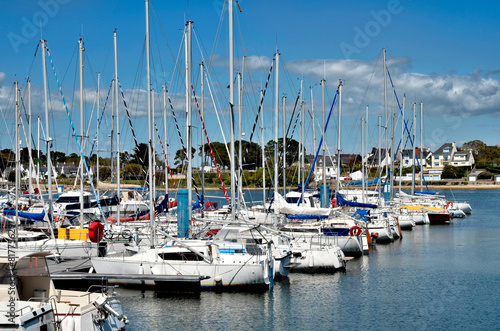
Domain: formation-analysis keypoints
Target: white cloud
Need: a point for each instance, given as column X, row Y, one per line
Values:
column 2, row 78
column 444, row 94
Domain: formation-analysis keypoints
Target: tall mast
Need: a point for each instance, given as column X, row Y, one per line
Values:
column 283, row 122
column 379, row 157
column 47, row 128
column 153, row 144
column 165, row 144
column 421, row 145
column 117, row 129
column 313, row 121
column 202, row 96
column 276, row 119
column 302, row 130
column 413, row 147
column 402, row 139
column 80, row 42
column 97, row 129
column 385, row 116
column 189, row 176
column 18, row 154
column 324, row 140
column 150, row 147
column 300, row 173
column 38, row 147
column 393, row 152
column 337, row 189
column 362, row 159
column 240, row 125
column 263, row 155
column 30, row 168
column 365, row 141
column 231, row 106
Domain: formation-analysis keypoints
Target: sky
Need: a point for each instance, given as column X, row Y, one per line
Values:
column 442, row 54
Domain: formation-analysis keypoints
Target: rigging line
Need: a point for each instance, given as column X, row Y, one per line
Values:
column 9, row 107
column 209, row 77
column 257, row 117
column 159, row 54
column 406, row 127
column 132, row 128
column 161, row 29
column 370, row 81
column 176, row 68
column 175, row 120
column 210, row 146
column 216, row 112
column 281, row 155
column 166, row 159
column 31, row 137
column 182, row 141
column 319, row 148
column 100, row 120
column 221, row 18
column 77, row 142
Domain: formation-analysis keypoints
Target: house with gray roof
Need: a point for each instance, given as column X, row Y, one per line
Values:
column 422, row 154
column 448, row 154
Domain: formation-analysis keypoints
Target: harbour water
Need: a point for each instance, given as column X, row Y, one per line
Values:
column 436, row 277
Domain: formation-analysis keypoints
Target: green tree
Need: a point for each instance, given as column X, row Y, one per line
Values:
column 180, row 156
column 292, row 154
column 12, row 176
column 141, row 154
column 132, row 171
column 450, row 171
column 74, row 158
column 475, row 145
column 104, row 173
column 60, row 157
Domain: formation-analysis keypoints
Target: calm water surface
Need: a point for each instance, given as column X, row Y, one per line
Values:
column 437, row 277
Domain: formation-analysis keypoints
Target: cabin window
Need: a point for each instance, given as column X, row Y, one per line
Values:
column 180, row 256
column 68, row 199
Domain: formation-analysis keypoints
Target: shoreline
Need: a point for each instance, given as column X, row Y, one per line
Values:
column 475, row 186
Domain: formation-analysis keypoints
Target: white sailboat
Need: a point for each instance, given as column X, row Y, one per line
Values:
column 29, row 300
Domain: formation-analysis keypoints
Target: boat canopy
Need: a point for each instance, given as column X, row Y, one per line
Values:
column 345, row 203
column 38, row 217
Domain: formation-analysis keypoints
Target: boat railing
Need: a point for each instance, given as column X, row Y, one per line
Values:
column 21, row 310
column 317, row 239
column 93, row 289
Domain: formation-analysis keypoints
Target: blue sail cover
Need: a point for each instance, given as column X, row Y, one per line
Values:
column 341, row 202
column 305, row 216
column 426, row 192
column 37, row 217
column 371, row 182
column 361, row 214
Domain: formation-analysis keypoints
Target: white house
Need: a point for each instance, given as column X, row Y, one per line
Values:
column 448, row 154
column 330, row 167
column 422, row 155
column 463, row 159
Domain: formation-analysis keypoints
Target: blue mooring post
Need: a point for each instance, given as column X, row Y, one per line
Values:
column 322, row 194
column 182, row 213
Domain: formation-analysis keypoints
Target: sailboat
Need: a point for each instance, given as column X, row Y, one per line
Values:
column 30, row 301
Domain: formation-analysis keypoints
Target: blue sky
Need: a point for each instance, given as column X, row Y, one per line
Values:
column 442, row 53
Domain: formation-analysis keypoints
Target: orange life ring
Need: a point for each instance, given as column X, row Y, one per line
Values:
column 355, row 231
column 449, row 204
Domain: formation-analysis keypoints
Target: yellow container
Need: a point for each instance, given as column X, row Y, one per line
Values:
column 75, row 234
